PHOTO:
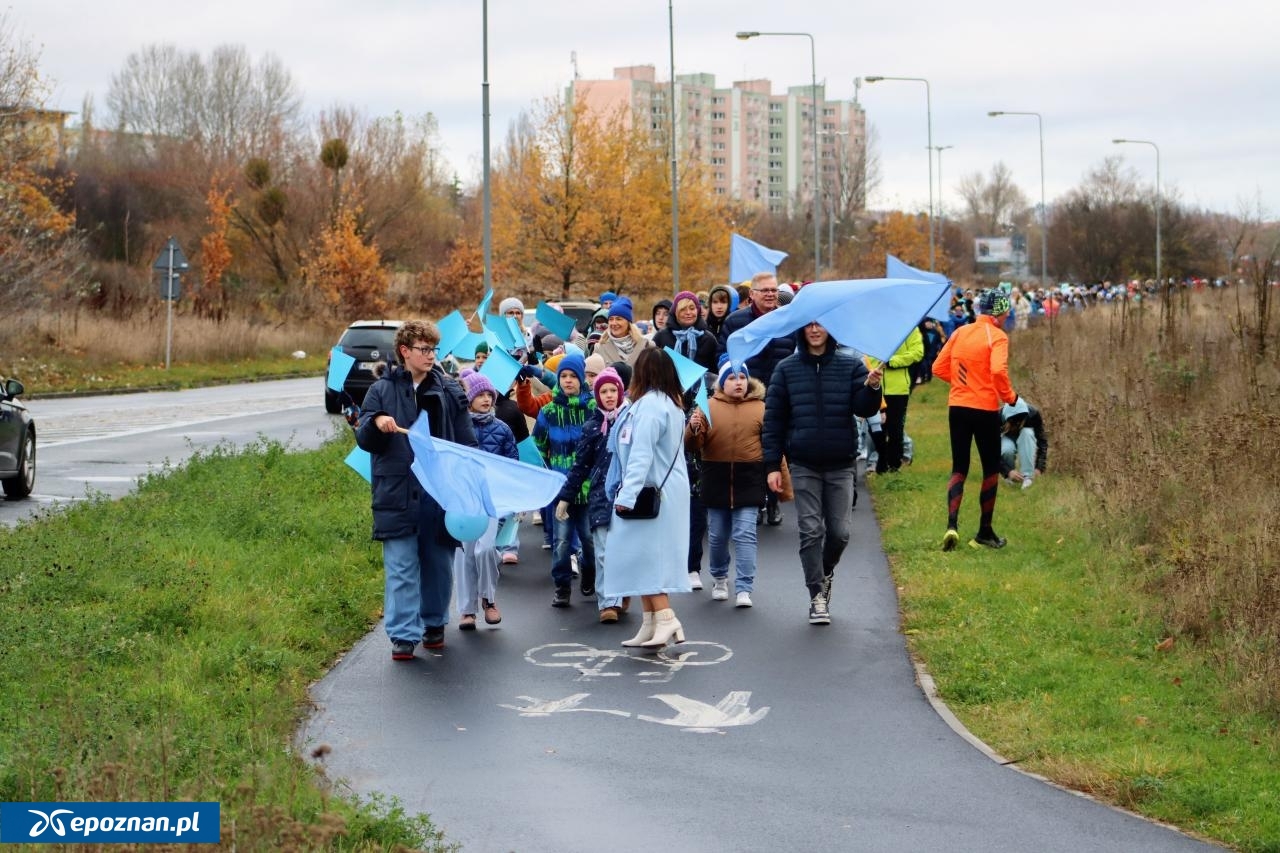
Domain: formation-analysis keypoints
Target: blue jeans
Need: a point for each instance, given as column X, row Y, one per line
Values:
column 823, row 499
column 578, row 526
column 599, row 536
column 739, row 525
column 1020, row 454
column 419, row 583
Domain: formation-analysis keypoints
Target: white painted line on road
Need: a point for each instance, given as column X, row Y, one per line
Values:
column 173, row 425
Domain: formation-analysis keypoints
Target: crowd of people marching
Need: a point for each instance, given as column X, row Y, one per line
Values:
column 644, row 463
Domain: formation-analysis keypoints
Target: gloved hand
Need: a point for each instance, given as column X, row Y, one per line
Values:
column 530, row 371
column 562, row 511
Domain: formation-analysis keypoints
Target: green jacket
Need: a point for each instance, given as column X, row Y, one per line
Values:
column 897, row 376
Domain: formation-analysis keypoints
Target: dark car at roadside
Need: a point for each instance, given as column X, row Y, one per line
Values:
column 17, row 442
column 368, row 342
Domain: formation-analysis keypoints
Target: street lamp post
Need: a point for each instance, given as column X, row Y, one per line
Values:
column 928, row 107
column 941, row 207
column 1044, row 211
column 1159, row 280
column 487, row 204
column 675, row 194
column 817, row 180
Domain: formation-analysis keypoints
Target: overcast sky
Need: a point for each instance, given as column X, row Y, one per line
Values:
column 1198, row 79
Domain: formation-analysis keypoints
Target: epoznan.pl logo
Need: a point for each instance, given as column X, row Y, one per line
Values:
column 61, row 823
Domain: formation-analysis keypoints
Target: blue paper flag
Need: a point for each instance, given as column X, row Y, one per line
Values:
column 500, row 369
column 687, row 369
column 747, row 257
column 507, row 532
column 470, row 481
column 941, row 310
column 872, row 315
column 453, row 330
column 701, row 401
column 529, row 453
column 466, row 348
column 361, row 462
column 484, row 303
column 560, row 325
column 499, row 327
column 340, row 365
column 517, row 334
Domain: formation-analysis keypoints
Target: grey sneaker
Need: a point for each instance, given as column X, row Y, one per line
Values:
column 743, row 600
column 818, row 614
column 720, row 589
column 402, row 649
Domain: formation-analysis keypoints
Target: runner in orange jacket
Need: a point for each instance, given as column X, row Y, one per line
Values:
column 975, row 362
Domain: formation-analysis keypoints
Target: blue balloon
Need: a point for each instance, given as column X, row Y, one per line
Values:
column 465, row 528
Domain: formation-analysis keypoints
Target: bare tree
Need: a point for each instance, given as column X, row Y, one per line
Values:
column 993, row 205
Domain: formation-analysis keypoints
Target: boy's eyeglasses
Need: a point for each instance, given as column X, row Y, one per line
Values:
column 427, row 350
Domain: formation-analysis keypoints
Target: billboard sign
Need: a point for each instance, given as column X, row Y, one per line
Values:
column 993, row 250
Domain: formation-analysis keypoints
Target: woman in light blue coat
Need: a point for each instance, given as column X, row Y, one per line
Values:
column 646, row 439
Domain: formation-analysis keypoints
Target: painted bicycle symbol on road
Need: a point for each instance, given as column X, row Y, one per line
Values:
column 592, row 663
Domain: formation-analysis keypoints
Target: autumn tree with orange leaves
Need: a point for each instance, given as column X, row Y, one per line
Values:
column 582, row 203
column 210, row 298
column 346, row 271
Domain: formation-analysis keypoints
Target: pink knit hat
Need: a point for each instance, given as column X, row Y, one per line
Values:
column 608, row 376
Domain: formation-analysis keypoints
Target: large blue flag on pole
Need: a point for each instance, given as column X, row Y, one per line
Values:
column 941, row 310
column 874, row 316
column 746, row 258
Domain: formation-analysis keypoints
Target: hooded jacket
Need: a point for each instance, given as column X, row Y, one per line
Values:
column 396, row 491
column 810, row 406
column 733, row 473
column 715, row 323
column 558, row 429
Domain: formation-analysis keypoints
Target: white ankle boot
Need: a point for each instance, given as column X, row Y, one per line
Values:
column 665, row 627
column 646, row 631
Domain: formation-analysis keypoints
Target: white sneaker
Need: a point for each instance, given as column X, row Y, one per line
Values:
column 573, row 564
column 695, row 580
column 743, row 600
column 720, row 589
column 1026, row 483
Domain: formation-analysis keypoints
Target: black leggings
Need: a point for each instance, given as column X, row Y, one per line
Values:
column 973, row 426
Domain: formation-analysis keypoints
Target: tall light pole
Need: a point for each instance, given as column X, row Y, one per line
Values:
column 675, row 194
column 817, row 180
column 1044, row 211
column 928, row 111
column 831, row 202
column 1159, row 280
column 941, row 206
column 487, row 206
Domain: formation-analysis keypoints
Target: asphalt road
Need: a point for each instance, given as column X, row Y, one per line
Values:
column 761, row 733
column 103, row 444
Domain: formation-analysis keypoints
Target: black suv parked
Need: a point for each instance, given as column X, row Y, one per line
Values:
column 368, row 342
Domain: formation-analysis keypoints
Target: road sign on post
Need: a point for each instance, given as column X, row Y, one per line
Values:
column 169, row 264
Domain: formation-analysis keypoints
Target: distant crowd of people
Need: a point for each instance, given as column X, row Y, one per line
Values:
column 643, row 463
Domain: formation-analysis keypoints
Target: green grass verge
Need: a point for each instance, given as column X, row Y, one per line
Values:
column 160, row 647
column 55, row 374
column 1047, row 651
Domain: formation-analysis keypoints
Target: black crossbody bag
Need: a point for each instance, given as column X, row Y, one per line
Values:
column 649, row 501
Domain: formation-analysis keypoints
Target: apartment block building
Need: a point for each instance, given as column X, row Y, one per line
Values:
column 757, row 146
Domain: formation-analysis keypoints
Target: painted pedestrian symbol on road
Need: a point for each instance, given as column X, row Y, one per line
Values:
column 691, row 715
column 590, row 663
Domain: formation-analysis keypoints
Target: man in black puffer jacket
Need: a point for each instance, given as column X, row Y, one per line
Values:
column 809, row 409
column 417, row 550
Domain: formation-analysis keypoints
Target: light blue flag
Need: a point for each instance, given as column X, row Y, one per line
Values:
column 530, row 454
column 340, row 365
column 484, row 303
column 453, row 329
column 941, row 310
column 466, row 348
column 469, row 481
column 687, row 369
column 507, row 532
column 500, row 369
column 361, row 462
column 701, row 401
column 747, row 257
column 501, row 329
column 874, row 315
column 517, row 334
column 560, row 325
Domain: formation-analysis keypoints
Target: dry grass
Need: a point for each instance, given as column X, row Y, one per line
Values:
column 1177, row 446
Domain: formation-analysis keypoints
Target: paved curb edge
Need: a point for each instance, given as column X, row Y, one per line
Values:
column 930, row 690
